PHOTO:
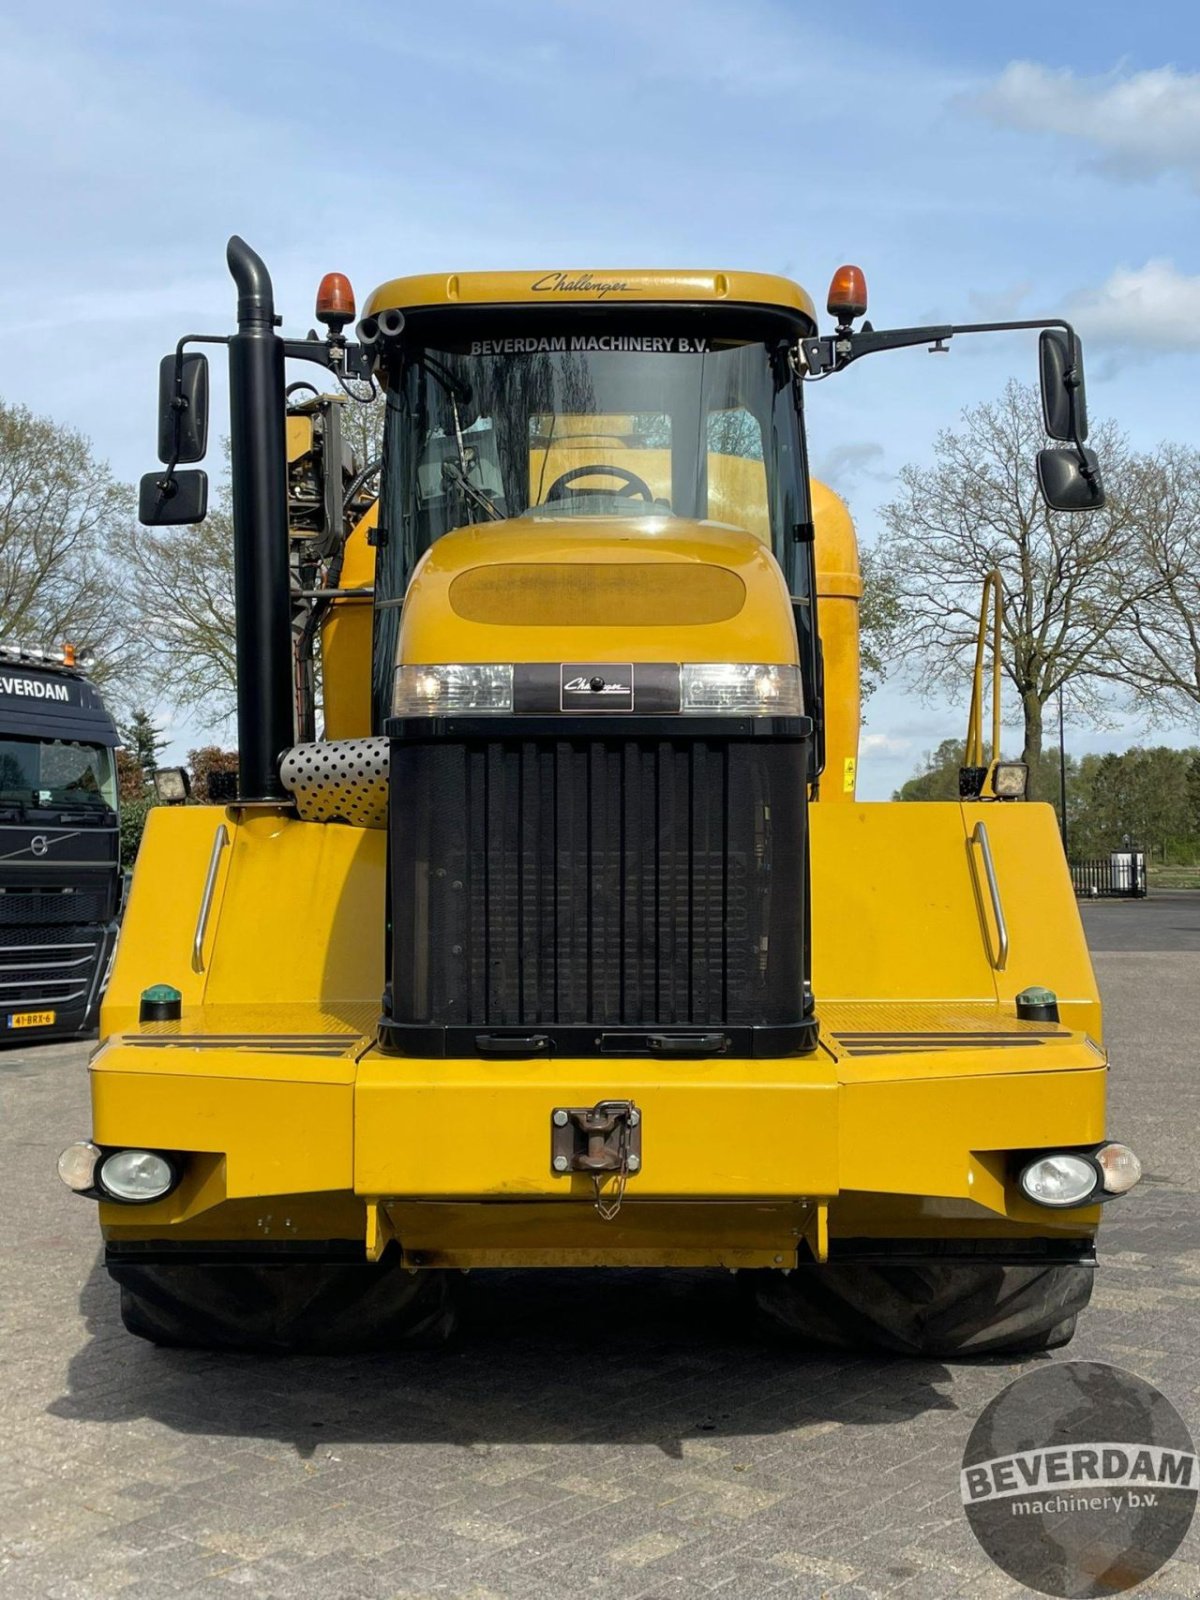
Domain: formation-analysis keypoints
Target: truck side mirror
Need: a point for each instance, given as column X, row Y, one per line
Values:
column 171, row 499
column 1068, row 483
column 1064, row 401
column 183, row 409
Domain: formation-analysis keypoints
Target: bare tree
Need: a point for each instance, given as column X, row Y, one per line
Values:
column 183, row 587
column 879, row 615
column 64, row 521
column 1160, row 636
column 1067, row 579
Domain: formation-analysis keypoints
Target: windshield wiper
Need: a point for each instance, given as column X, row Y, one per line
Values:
column 455, row 478
column 458, row 390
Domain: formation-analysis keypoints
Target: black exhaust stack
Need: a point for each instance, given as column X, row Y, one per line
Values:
column 260, row 533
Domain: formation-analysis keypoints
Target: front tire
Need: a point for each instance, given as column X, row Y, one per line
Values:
column 283, row 1308
column 928, row 1308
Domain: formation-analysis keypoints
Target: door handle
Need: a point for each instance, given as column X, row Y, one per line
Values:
column 980, row 838
column 206, row 899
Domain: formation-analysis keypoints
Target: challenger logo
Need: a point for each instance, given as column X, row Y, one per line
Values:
column 581, row 283
column 596, row 686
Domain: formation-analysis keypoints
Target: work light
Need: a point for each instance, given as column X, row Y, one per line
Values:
column 135, row 1176
column 1064, row 1179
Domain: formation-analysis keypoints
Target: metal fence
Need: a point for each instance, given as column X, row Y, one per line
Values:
column 1119, row 876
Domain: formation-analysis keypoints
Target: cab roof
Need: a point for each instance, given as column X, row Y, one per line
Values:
column 575, row 286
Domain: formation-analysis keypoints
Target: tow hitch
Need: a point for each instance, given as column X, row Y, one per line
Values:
column 598, row 1140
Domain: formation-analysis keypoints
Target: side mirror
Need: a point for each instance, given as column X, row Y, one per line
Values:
column 1068, row 484
column 169, row 500
column 1064, row 401
column 183, row 413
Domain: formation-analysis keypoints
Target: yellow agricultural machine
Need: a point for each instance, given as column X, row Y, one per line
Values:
column 567, row 943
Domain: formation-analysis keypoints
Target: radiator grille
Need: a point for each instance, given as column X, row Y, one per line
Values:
column 616, row 882
column 33, row 907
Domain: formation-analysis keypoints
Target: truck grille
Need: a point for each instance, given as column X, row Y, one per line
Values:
column 33, row 907
column 617, row 883
column 49, row 967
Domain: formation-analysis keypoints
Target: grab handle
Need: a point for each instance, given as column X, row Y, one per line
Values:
column 980, row 837
column 206, row 899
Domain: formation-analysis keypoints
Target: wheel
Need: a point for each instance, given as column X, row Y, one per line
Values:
column 929, row 1308
column 284, row 1307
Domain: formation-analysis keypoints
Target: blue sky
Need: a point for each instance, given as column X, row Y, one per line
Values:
column 977, row 162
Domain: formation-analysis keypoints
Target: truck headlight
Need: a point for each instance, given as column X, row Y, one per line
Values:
column 1063, row 1179
column 740, row 688
column 464, row 688
column 136, row 1176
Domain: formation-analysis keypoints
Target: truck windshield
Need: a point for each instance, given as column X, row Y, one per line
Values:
column 57, row 773
column 589, row 421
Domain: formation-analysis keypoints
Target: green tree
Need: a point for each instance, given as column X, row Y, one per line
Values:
column 133, row 826
column 1141, row 797
column 143, row 740
column 937, row 778
column 205, row 764
column 1068, row 580
column 131, row 777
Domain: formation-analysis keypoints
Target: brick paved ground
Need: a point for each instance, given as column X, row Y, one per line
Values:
column 587, row 1436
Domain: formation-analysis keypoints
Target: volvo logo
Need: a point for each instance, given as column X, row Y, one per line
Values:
column 39, row 844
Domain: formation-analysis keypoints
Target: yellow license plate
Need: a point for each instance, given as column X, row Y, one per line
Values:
column 32, row 1019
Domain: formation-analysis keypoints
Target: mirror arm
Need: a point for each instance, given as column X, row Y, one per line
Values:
column 347, row 360
column 179, row 404
column 834, row 352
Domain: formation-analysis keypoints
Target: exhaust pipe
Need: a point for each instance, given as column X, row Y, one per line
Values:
column 373, row 331
column 260, row 534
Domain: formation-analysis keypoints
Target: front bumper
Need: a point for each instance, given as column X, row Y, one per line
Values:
column 742, row 1161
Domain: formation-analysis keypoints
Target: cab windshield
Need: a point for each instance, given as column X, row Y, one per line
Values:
column 58, row 774
column 589, row 421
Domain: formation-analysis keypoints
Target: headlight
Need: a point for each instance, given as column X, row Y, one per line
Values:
column 464, row 688
column 740, row 688
column 1060, row 1180
column 136, row 1176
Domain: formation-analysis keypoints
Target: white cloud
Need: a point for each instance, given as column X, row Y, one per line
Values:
column 883, row 744
column 1139, row 126
column 1154, row 307
column 844, row 464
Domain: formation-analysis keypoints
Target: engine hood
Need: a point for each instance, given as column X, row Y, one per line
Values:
column 652, row 588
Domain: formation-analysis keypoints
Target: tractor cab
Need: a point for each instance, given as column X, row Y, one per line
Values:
column 659, row 425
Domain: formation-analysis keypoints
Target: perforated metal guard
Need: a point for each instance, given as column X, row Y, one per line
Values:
column 339, row 780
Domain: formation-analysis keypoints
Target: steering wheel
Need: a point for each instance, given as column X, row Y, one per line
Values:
column 632, row 485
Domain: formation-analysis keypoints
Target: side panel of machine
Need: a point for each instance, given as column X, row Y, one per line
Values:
column 903, row 910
